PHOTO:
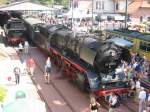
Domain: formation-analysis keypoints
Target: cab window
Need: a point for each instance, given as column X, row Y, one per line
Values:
column 148, row 47
column 144, row 46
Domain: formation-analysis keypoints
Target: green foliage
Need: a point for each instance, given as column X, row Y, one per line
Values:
column 65, row 2
column 3, row 92
column 3, row 1
column 61, row 2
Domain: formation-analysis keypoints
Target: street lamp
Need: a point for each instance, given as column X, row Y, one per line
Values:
column 92, row 13
column 72, row 14
column 126, row 13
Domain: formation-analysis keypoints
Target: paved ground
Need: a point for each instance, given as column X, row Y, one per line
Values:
column 60, row 96
column 7, row 64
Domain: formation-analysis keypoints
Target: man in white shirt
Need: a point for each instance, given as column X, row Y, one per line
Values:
column 26, row 47
column 142, row 99
column 137, row 86
column 112, row 102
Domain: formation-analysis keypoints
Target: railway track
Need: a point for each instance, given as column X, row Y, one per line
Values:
column 52, row 84
column 102, row 101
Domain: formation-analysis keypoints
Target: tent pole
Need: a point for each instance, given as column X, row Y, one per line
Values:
column 72, row 15
column 92, row 13
column 126, row 11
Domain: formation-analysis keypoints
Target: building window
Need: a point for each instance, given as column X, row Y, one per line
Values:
column 141, row 18
column 103, row 5
column 100, row 5
column 148, row 18
column 117, row 6
column 96, row 5
column 144, row 46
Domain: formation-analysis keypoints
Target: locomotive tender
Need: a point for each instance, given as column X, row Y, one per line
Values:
column 86, row 61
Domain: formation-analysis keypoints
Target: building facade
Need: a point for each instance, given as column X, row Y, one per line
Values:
column 138, row 10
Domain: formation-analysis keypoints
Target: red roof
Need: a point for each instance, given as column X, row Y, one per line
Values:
column 145, row 4
column 135, row 5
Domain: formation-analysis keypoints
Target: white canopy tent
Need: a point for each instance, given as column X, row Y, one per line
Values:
column 77, row 13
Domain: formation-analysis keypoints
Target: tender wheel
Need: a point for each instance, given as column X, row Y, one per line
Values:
column 81, row 81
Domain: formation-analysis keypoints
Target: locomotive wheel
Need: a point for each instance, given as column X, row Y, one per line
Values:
column 56, row 61
column 63, row 69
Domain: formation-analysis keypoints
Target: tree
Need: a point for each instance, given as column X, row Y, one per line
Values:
column 61, row 2
column 3, row 1
column 65, row 2
column 2, row 93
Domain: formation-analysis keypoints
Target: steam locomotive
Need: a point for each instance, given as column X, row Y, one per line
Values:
column 87, row 62
column 15, row 31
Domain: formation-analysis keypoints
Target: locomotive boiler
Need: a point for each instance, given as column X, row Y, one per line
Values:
column 104, row 57
column 89, row 62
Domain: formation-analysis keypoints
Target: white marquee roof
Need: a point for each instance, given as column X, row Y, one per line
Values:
column 25, row 6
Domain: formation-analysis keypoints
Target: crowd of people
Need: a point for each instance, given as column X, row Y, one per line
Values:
column 30, row 65
column 134, row 71
column 84, row 23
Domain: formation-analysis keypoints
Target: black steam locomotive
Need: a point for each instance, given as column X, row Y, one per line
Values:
column 15, row 31
column 86, row 61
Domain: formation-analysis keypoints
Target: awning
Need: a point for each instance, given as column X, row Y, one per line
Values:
column 120, row 42
column 33, row 21
column 119, row 18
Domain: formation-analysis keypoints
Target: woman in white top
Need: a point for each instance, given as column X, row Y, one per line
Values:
column 47, row 70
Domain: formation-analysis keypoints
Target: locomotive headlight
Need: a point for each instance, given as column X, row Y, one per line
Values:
column 103, row 86
column 95, row 78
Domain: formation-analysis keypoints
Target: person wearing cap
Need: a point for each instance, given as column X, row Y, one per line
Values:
column 142, row 99
column 20, row 94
